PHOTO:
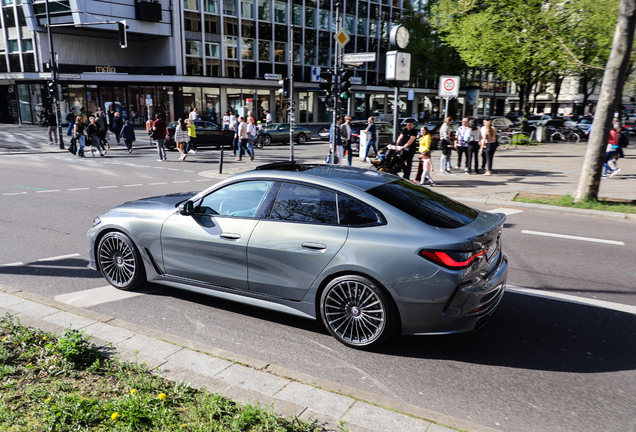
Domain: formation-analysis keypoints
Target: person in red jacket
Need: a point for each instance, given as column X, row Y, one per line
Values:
column 613, row 151
column 161, row 131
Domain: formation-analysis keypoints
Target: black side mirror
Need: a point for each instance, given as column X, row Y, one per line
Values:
column 186, row 208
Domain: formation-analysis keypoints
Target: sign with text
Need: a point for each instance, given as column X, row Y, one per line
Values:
column 448, row 86
column 273, row 77
column 359, row 57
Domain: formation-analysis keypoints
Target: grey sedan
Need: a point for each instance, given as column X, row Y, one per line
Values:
column 367, row 253
column 279, row 132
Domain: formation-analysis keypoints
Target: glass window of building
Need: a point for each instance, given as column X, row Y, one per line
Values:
column 305, row 107
column 194, row 66
column 323, row 19
column 212, row 104
column 9, row 18
column 264, row 48
column 232, row 69
column 310, row 17
column 212, row 49
column 193, row 47
column 280, row 52
column 247, row 49
column 334, row 20
column 247, row 9
column 29, row 62
column 231, row 26
column 212, row 24
column 249, row 70
column 264, row 31
column 280, row 15
column 349, row 24
column 281, row 33
column 248, row 29
column 165, row 103
column 139, row 111
column 325, row 4
column 230, row 43
column 7, row 2
column 191, row 99
column 27, row 45
column 323, row 55
column 265, row 10
column 213, row 67
column 296, row 14
column 229, row 7
column 310, row 55
column 13, row 46
column 297, row 54
column 192, row 21
column 211, row 6
column 362, row 26
column 191, row 4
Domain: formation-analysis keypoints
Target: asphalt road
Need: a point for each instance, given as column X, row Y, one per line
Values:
column 539, row 365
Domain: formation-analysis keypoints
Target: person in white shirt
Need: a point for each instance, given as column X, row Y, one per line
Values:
column 235, row 142
column 226, row 121
column 243, row 136
column 464, row 137
column 251, row 130
column 194, row 114
column 268, row 117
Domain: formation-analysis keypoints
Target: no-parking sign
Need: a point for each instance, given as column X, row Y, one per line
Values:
column 448, row 86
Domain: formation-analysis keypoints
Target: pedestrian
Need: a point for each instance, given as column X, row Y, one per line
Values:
column 70, row 118
column 445, row 144
column 371, row 138
column 488, row 142
column 128, row 134
column 110, row 118
column 473, row 145
column 93, row 132
column 214, row 118
column 101, row 122
column 268, row 117
column 194, row 114
column 116, row 126
column 243, row 136
column 251, row 131
column 424, row 140
column 192, row 137
column 407, row 139
column 235, row 142
column 345, row 132
column 464, row 137
column 181, row 137
column 226, row 121
column 161, row 131
column 335, row 140
column 79, row 133
column 52, row 127
column 428, row 168
column 613, row 151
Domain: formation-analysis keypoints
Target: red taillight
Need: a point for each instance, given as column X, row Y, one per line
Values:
column 452, row 260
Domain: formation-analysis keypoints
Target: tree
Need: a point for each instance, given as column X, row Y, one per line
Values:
column 609, row 101
column 510, row 36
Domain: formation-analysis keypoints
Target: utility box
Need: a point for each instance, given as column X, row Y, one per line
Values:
column 540, row 134
column 148, row 11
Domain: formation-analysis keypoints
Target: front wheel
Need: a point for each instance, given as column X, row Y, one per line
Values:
column 504, row 142
column 301, row 138
column 357, row 312
column 120, row 261
column 574, row 137
column 265, row 141
column 557, row 137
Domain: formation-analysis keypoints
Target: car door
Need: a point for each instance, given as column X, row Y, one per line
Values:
column 203, row 132
column 210, row 245
column 291, row 245
column 281, row 134
column 218, row 136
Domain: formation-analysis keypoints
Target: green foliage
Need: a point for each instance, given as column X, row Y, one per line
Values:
column 590, row 204
column 74, row 348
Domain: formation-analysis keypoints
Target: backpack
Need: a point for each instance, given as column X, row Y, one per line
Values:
column 623, row 141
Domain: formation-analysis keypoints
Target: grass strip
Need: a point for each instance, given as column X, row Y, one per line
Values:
column 568, row 201
column 64, row 384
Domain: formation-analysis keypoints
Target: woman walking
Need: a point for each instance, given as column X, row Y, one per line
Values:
column 79, row 133
column 93, row 131
column 473, row 145
column 489, row 142
column 192, row 137
column 424, row 139
column 181, row 137
column 251, row 130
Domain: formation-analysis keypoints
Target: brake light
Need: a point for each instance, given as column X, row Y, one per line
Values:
column 452, row 260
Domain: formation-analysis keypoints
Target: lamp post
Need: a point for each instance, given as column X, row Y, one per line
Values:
column 53, row 64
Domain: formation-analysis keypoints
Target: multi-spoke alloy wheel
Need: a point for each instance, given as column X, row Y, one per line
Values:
column 356, row 312
column 119, row 261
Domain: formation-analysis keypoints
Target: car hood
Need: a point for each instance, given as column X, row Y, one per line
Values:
column 157, row 203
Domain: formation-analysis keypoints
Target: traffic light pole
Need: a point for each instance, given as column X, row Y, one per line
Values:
column 336, row 86
column 53, row 64
column 291, row 86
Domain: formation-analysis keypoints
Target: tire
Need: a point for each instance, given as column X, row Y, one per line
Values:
column 170, row 145
column 301, row 138
column 357, row 312
column 574, row 137
column 259, row 142
column 120, row 262
column 266, row 140
column 504, row 142
column 557, row 137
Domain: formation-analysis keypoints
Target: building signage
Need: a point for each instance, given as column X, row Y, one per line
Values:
column 448, row 86
column 398, row 66
column 359, row 57
column 315, row 74
column 105, row 69
column 69, row 76
column 273, row 77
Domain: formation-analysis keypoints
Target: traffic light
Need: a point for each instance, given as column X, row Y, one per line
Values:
column 50, row 87
column 345, row 85
column 326, row 83
column 284, row 90
column 63, row 91
column 123, row 37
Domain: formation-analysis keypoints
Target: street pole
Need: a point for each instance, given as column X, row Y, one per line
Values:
column 53, row 64
column 396, row 110
column 291, row 84
column 336, row 87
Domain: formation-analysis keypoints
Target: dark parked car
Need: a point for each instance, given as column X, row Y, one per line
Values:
column 279, row 133
column 366, row 252
column 208, row 134
column 585, row 123
column 433, row 128
column 384, row 131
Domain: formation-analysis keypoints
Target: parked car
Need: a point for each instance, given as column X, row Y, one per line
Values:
column 366, row 252
column 585, row 123
column 208, row 134
column 500, row 123
column 434, row 128
column 323, row 133
column 383, row 129
column 279, row 133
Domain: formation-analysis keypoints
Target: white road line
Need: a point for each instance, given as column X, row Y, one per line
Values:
column 76, row 189
column 174, row 169
column 506, row 211
column 569, row 237
column 106, row 187
column 158, row 167
column 15, row 264
column 188, row 171
column 16, row 193
column 153, row 184
column 573, row 299
column 203, row 180
column 143, row 166
column 133, row 185
column 117, row 163
column 46, row 191
column 56, row 258
column 95, row 296
column 182, row 181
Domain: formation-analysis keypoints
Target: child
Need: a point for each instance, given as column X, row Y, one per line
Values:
column 428, row 168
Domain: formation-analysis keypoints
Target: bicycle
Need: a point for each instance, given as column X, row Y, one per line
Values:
column 516, row 138
column 562, row 136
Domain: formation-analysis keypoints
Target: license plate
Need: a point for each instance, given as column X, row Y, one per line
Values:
column 491, row 250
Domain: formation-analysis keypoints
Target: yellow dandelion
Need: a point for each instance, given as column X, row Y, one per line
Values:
column 4, row 338
column 48, row 399
column 183, row 425
column 114, row 416
column 44, row 338
column 29, row 364
column 133, row 391
column 162, row 396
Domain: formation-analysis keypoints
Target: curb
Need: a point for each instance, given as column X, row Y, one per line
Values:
column 438, row 422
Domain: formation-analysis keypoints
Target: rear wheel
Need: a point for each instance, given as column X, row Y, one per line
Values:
column 266, row 140
column 557, row 137
column 357, row 312
column 301, row 138
column 574, row 137
column 504, row 142
column 120, row 261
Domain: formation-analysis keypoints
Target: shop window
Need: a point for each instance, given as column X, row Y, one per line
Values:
column 323, row 19
column 229, row 7
column 310, row 17
column 280, row 33
column 192, row 21
column 296, row 14
column 9, row 18
column 191, row 4
column 265, row 10
column 247, row 49
column 13, row 46
column 213, row 67
column 264, row 47
column 249, row 70
column 310, row 54
column 280, row 52
column 280, row 12
column 194, row 66
column 247, row 9
column 232, row 69
column 212, row 49
column 264, row 31
column 231, row 26
column 193, row 47
column 230, row 43
column 211, row 6
column 248, row 29
column 29, row 62
column 212, row 24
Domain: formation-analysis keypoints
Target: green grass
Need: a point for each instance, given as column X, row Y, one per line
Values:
column 568, row 201
column 50, row 383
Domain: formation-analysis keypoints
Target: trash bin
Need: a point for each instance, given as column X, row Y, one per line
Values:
column 362, row 154
column 540, row 134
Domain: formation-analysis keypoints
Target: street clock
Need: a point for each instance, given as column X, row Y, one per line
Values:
column 399, row 37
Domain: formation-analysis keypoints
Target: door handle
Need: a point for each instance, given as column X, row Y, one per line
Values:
column 230, row 236
column 314, row 246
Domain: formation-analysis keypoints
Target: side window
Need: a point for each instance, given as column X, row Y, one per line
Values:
column 238, row 199
column 354, row 213
column 302, row 203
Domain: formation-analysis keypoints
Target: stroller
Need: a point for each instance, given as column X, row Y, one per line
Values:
column 389, row 160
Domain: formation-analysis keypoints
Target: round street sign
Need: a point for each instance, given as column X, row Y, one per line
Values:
column 448, row 86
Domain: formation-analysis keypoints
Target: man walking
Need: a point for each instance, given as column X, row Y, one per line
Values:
column 335, row 140
column 116, row 126
column 346, row 140
column 408, row 136
column 371, row 138
column 128, row 134
column 161, row 130
column 52, row 118
column 242, row 135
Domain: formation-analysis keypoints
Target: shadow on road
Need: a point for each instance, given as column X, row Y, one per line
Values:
column 70, row 267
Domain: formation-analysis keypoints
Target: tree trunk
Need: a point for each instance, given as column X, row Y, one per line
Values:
column 610, row 97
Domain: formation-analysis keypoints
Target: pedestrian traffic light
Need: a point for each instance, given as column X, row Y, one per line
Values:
column 327, row 84
column 345, row 85
column 50, row 86
column 284, row 90
column 123, row 37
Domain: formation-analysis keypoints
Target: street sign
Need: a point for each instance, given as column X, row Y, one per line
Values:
column 315, row 74
column 355, row 80
column 342, row 38
column 273, row 77
column 398, row 66
column 359, row 57
column 69, row 76
column 448, row 86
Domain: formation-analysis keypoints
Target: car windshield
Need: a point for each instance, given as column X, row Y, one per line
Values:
column 424, row 204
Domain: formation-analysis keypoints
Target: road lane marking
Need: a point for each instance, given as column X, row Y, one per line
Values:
column 16, row 193
column 28, row 187
column 153, row 184
column 204, row 180
column 569, row 237
column 505, row 210
column 188, row 171
column 182, row 181
column 15, row 264
column 57, row 258
column 139, row 184
column 106, row 187
column 76, row 189
column 573, row 299
column 101, row 295
column 174, row 169
column 46, row 191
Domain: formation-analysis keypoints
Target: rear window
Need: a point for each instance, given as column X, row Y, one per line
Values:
column 424, row 204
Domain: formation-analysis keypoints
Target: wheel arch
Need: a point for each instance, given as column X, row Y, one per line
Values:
column 146, row 261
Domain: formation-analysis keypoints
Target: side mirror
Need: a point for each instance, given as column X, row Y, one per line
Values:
column 186, row 208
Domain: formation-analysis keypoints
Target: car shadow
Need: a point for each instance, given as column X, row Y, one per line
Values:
column 70, row 267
